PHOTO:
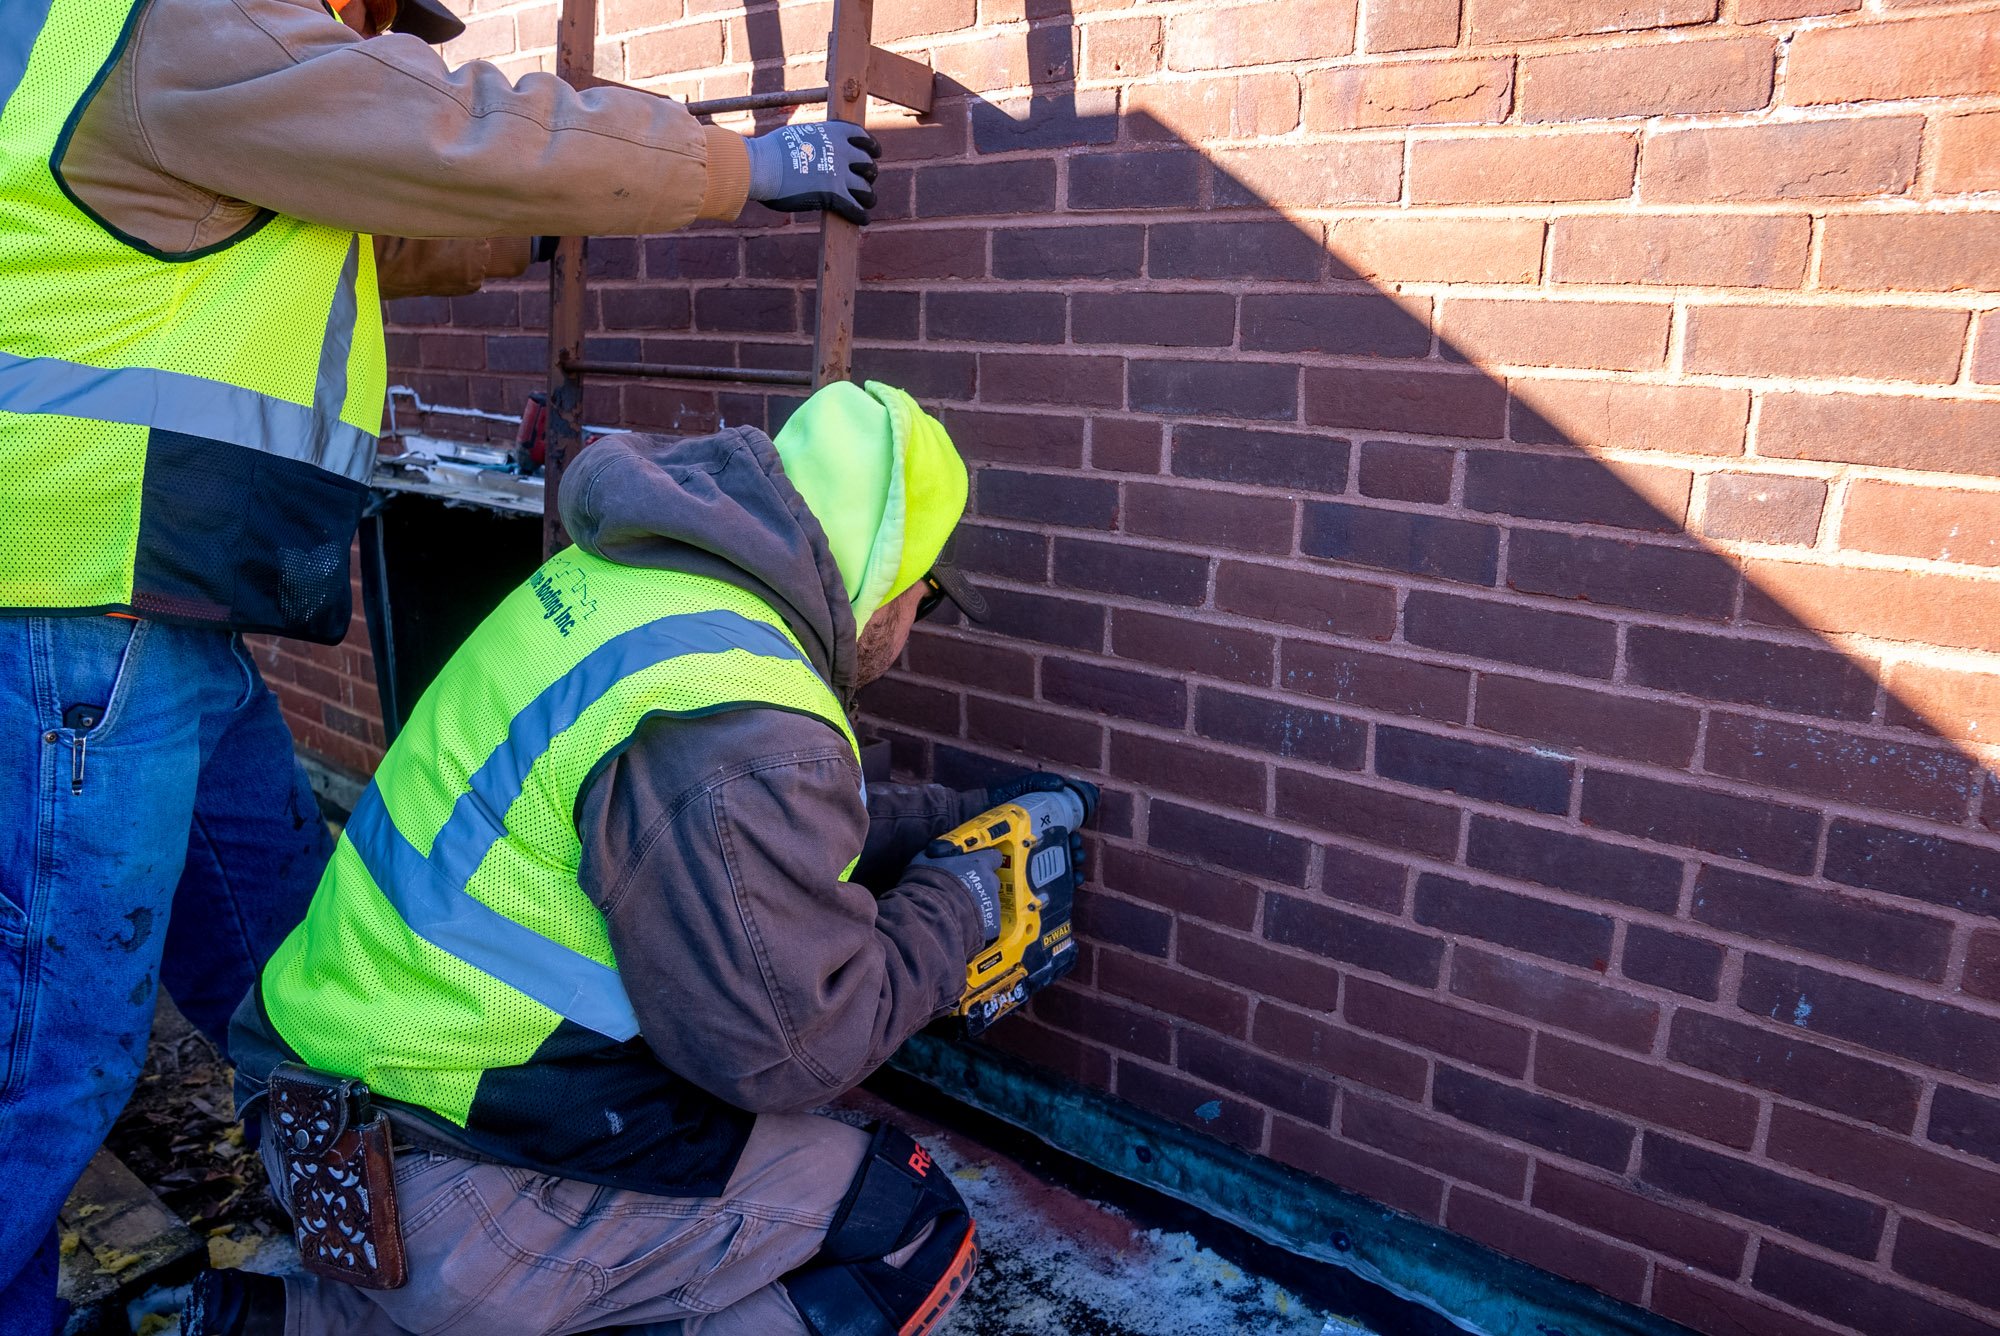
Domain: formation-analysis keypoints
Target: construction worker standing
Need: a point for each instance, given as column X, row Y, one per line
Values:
column 191, row 378
column 618, row 904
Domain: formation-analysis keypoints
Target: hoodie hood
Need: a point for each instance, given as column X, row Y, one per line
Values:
column 719, row 506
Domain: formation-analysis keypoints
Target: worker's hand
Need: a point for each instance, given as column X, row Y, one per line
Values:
column 1043, row 781
column 978, row 873
column 825, row 165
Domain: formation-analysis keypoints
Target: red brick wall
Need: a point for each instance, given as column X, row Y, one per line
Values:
column 1508, row 501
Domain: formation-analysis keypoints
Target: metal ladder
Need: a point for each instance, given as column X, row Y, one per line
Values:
column 855, row 69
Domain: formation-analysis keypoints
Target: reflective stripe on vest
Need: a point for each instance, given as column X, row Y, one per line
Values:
column 429, row 892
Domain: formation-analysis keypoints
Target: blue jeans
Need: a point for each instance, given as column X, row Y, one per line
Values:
column 176, row 843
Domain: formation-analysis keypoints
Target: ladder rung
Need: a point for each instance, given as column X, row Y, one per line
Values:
column 668, row 371
column 784, row 97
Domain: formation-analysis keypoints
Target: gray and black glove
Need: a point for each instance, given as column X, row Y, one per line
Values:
column 977, row 873
column 1047, row 781
column 823, row 165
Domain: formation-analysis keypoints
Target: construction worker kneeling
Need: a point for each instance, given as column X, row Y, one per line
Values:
column 618, row 905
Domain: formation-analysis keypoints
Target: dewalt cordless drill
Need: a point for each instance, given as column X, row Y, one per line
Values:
column 1038, row 881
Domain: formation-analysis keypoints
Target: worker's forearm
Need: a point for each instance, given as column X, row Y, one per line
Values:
column 380, row 137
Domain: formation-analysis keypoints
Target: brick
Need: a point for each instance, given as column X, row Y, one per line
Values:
column 1968, row 152
column 1274, row 251
column 1682, row 250
column 1873, row 342
column 1135, row 572
column 1508, row 633
column 1690, row 1298
column 1618, row 336
column 1210, row 518
column 1950, row 1262
column 1437, row 1027
column 1790, row 160
column 1363, row 811
column 1608, row 414
column 1869, row 1305
column 1927, row 522
column 1193, row 646
column 1234, row 1120
column 1750, row 672
column 1530, row 20
column 1374, row 1176
column 1822, row 763
column 1966, row 1121
column 1047, row 498
column 994, row 317
column 1119, row 692
column 1156, row 319
column 1792, row 1066
column 1890, row 1167
column 794, row 255
column 1292, row 460
column 1841, row 927
column 1559, row 932
column 1435, row 1144
column 1547, row 1244
column 1336, row 1049
column 1609, row 1014
column 1763, row 508
column 1143, row 179
column 1771, row 834
column 1453, row 765
column 941, row 375
column 1641, row 1087
column 1123, row 49
column 1312, row 599
column 1439, row 249
column 912, row 704
column 1048, row 621
column 1401, row 540
column 1353, row 171
column 1371, row 325
column 1070, row 379
column 1898, row 605
column 1944, row 435
column 1281, row 728
column 921, row 18
column 1374, row 681
column 884, row 313
column 1578, row 490
column 1257, row 968
column 1573, row 863
column 1188, row 891
column 965, row 190
column 1106, row 1022
column 1200, row 111
column 1335, row 934
column 1063, row 1054
column 1920, row 866
column 972, row 664
column 1172, row 766
column 1068, row 252
column 1912, row 1028
column 1608, row 1209
column 1535, row 1119
column 1395, row 471
column 1753, row 1192
column 1126, row 445
column 1622, row 573
column 1562, row 715
column 1168, row 989
column 671, row 50
column 1982, row 966
column 1938, row 253
column 1409, row 92
column 1664, row 78
column 1927, row 57
column 1065, row 119
column 1409, row 25
column 1230, row 37
column 1234, row 389
column 1013, row 553
column 1521, row 168
column 1274, row 1085
column 1050, row 737
column 1361, row 879
column 1241, row 846
column 1439, row 403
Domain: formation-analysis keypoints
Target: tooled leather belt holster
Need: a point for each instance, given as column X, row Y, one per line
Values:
column 340, row 1177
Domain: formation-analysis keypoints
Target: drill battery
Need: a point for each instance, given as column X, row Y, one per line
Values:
column 1038, row 884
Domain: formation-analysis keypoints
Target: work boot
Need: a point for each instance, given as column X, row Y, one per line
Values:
column 234, row 1303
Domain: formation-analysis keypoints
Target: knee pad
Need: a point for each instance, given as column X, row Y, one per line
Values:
column 848, row 1289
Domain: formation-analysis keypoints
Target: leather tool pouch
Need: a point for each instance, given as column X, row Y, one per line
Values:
column 340, row 1177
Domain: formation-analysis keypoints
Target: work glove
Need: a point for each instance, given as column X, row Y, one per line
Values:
column 977, row 873
column 822, row 165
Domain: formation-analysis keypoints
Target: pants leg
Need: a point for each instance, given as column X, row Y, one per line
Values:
column 492, row 1248
column 95, row 829
column 255, row 852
